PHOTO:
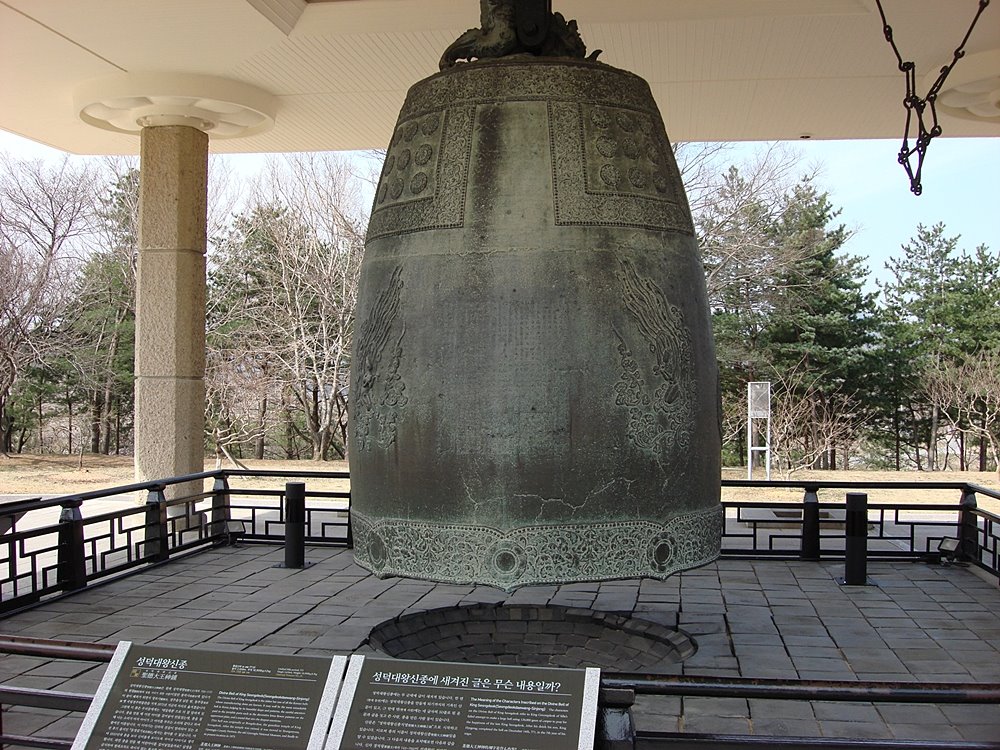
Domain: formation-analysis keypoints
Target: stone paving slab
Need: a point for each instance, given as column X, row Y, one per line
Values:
column 750, row 618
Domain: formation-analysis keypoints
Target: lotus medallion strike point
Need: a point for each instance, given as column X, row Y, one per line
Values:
column 534, row 392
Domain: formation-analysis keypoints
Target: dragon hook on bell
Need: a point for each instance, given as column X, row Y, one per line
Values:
column 511, row 27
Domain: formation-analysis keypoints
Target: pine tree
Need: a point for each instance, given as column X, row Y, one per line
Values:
column 821, row 324
column 941, row 307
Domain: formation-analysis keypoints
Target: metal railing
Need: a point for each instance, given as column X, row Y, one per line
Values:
column 60, row 545
column 813, row 530
column 64, row 544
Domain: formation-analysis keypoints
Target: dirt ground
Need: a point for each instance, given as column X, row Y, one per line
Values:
column 925, row 495
column 62, row 475
column 59, row 475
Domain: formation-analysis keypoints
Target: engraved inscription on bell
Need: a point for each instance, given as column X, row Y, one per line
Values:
column 534, row 385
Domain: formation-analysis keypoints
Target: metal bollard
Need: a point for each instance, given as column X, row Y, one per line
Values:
column 157, row 544
column 615, row 728
column 856, row 542
column 295, row 525
column 220, row 505
column 809, row 549
column 968, row 523
column 72, row 563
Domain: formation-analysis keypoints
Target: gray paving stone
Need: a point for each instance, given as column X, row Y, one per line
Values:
column 65, row 669
column 29, row 721
column 910, row 714
column 979, row 732
column 959, row 714
column 886, row 663
column 815, row 652
column 887, row 677
column 856, row 730
column 846, row 711
column 768, row 672
column 759, row 639
column 834, row 668
column 926, row 732
column 857, row 640
column 716, row 725
column 809, row 641
column 697, row 706
column 786, row 727
column 747, row 617
column 762, row 708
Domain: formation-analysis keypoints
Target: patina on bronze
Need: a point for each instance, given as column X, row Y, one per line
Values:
column 534, row 390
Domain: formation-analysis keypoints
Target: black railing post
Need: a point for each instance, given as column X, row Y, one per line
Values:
column 856, row 543
column 615, row 728
column 220, row 505
column 809, row 549
column 157, row 539
column 350, row 524
column 72, row 559
column 295, row 525
column 968, row 526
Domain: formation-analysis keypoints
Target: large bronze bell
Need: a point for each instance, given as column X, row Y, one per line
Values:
column 534, row 392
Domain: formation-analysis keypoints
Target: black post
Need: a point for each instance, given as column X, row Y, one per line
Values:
column 295, row 525
column 72, row 560
column 810, row 524
column 220, row 505
column 157, row 539
column 856, row 560
column 615, row 729
column 350, row 524
column 968, row 532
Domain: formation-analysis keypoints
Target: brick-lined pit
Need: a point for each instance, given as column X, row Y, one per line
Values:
column 537, row 636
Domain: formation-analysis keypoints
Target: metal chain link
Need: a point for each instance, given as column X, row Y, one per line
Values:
column 915, row 104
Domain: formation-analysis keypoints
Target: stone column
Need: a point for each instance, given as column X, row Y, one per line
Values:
column 170, row 303
column 174, row 113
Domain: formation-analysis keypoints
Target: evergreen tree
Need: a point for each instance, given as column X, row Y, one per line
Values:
column 735, row 237
column 787, row 307
column 820, row 324
column 941, row 307
column 103, row 328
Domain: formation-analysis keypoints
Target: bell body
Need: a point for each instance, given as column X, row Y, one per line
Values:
column 534, row 392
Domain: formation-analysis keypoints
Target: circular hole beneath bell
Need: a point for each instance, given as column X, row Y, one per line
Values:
column 533, row 636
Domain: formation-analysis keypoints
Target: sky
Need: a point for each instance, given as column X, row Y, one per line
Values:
column 961, row 189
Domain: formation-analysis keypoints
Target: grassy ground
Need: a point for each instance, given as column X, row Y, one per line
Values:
column 49, row 475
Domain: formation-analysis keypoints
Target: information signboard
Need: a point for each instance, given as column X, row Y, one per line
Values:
column 387, row 704
column 189, row 699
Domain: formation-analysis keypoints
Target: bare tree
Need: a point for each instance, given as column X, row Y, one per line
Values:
column 806, row 423
column 735, row 210
column 295, row 313
column 968, row 396
column 236, row 396
column 44, row 210
column 319, row 290
column 699, row 165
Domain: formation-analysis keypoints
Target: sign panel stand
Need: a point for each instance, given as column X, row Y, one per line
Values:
column 459, row 706
column 190, row 699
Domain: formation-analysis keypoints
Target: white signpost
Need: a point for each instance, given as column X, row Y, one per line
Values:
column 758, row 410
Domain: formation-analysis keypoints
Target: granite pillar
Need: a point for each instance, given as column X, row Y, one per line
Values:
column 170, row 303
